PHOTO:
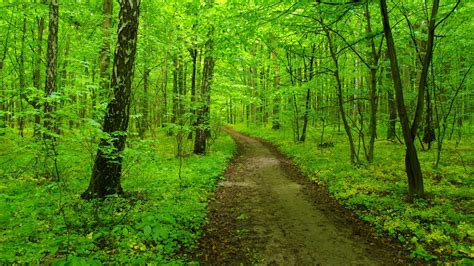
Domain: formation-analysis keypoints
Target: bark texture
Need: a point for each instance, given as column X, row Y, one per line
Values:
column 106, row 174
column 412, row 164
column 204, row 109
column 51, row 69
column 202, row 130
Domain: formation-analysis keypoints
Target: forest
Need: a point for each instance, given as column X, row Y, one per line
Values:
column 216, row 132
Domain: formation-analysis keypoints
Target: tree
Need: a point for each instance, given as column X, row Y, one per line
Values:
column 51, row 69
column 107, row 171
column 372, row 65
column 203, row 115
column 308, row 76
column 276, row 97
column 412, row 164
column 37, row 74
column 340, row 99
column 203, row 111
column 22, row 82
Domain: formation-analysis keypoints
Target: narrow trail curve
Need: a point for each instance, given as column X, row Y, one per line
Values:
column 263, row 213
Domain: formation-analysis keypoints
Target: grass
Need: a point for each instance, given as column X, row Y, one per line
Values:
column 44, row 221
column 438, row 228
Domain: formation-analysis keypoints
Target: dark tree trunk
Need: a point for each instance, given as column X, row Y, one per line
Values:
column 429, row 130
column 276, row 97
column 21, row 72
column 308, row 75
column 144, row 125
column 51, row 70
column 193, row 75
column 373, row 62
column 175, row 95
column 181, row 89
column 392, row 119
column 3, row 105
column 412, row 164
column 340, row 98
column 373, row 114
column 203, row 125
column 63, row 76
column 231, row 112
column 305, row 116
column 164, row 88
column 422, row 83
column 37, row 75
column 296, row 130
column 193, row 52
column 292, row 99
column 107, row 171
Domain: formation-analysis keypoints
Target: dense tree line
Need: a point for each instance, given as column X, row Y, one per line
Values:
column 374, row 70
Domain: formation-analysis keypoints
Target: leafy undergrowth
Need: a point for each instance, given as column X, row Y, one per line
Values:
column 159, row 220
column 439, row 228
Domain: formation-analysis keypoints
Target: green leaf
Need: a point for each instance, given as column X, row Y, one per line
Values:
column 159, row 233
column 401, row 238
column 147, row 230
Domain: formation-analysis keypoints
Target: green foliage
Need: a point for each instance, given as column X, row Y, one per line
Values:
column 158, row 220
column 438, row 228
column 255, row 44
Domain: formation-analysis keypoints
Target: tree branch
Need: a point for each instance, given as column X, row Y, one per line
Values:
column 449, row 14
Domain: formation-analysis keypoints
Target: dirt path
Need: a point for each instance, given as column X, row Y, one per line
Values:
column 265, row 212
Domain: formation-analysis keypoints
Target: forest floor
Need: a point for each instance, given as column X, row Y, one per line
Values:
column 265, row 211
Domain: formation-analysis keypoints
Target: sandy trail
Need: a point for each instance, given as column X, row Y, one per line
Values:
column 264, row 213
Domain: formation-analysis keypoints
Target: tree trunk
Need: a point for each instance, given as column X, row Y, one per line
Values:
column 164, row 87
column 391, row 130
column 21, row 74
column 144, row 125
column 193, row 53
column 51, row 70
column 104, row 57
column 202, row 128
column 373, row 62
column 3, row 106
column 429, row 130
column 276, row 96
column 37, row 75
column 181, row 90
column 107, row 171
column 412, row 164
column 231, row 112
column 340, row 99
column 373, row 114
column 308, row 76
column 422, row 83
column 175, row 95
column 305, row 116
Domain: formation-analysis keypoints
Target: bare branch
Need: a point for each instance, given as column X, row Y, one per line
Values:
column 351, row 46
column 449, row 14
column 412, row 35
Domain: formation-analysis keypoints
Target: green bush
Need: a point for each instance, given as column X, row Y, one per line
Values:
column 159, row 219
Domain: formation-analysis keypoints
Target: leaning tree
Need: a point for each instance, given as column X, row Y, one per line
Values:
column 107, row 171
